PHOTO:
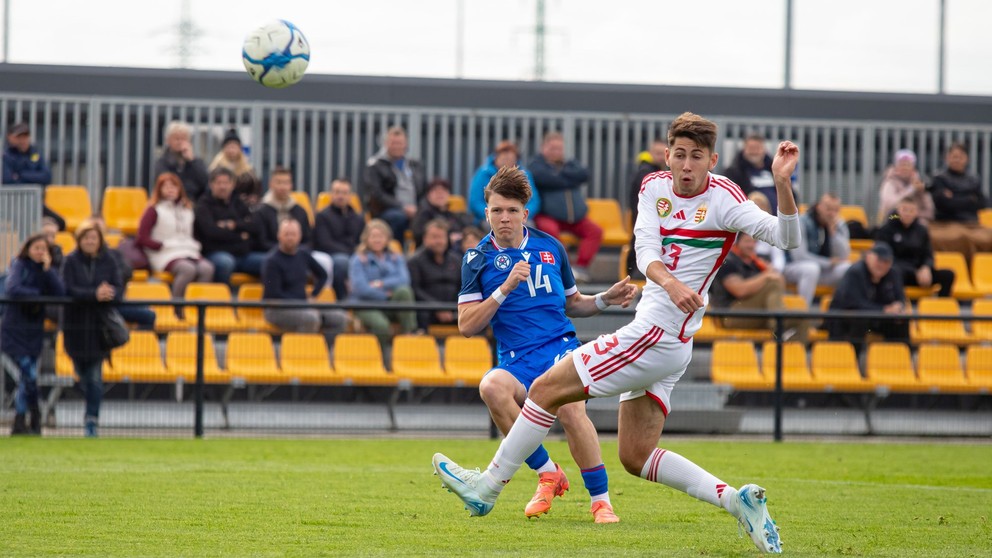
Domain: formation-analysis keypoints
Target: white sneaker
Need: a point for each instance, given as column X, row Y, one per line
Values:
column 463, row 483
column 753, row 516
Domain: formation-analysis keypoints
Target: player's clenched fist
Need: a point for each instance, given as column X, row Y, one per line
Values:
column 520, row 272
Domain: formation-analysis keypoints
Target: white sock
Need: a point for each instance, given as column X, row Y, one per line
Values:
column 548, row 467
column 671, row 469
column 529, row 430
column 604, row 497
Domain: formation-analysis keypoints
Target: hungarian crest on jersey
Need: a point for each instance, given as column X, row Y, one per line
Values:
column 664, row 206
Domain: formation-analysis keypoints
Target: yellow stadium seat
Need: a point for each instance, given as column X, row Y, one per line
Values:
column 63, row 364
column 859, row 245
column 253, row 319
column 466, row 360
column 306, row 360
column 940, row 369
column 890, row 366
column 946, row 331
column 358, row 360
column 220, row 319
column 416, row 358
column 457, row 204
column 854, row 213
column 238, row 279
column 795, row 368
column 327, row 296
column 324, row 200
column 71, row 202
column 981, row 330
column 622, row 267
column 735, row 363
column 978, row 367
column 65, row 240
column 709, row 331
column 606, row 213
column 251, row 357
column 165, row 316
column 139, row 361
column 113, row 240
column 981, row 273
column 985, row 217
column 916, row 293
column 303, row 200
column 797, row 303
column 122, row 208
column 180, row 358
column 962, row 289
column 835, row 367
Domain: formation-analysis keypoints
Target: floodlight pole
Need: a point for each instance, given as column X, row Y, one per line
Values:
column 6, row 29
column 787, row 82
column 942, row 40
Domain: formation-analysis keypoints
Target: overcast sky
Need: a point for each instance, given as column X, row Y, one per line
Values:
column 861, row 45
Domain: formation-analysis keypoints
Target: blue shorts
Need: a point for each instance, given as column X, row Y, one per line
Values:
column 527, row 366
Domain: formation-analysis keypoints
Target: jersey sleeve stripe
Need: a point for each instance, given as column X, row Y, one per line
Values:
column 570, row 291
column 469, row 297
column 734, row 189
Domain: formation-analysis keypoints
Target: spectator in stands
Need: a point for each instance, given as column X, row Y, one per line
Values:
column 563, row 204
column 910, row 242
column 22, row 330
column 23, row 164
column 226, row 229
column 248, row 188
column 506, row 154
column 284, row 277
column 747, row 282
column 232, row 156
column 278, row 204
column 336, row 234
column 901, row 181
column 92, row 279
column 957, row 197
column 140, row 315
column 471, row 237
column 394, row 183
column 652, row 160
column 179, row 158
column 873, row 285
column 751, row 169
column 378, row 275
column 435, row 206
column 824, row 248
column 165, row 233
column 49, row 229
column 435, row 274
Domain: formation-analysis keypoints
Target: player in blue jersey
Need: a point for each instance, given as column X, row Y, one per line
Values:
column 518, row 279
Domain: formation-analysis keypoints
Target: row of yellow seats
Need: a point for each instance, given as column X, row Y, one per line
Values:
column 834, row 368
column 304, row 360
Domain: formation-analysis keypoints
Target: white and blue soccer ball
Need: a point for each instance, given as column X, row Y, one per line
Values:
column 276, row 55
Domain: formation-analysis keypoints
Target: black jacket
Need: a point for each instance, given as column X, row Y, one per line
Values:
column 911, row 244
column 193, row 173
column 80, row 321
column 561, row 188
column 268, row 221
column 23, row 326
column 856, row 291
column 337, row 231
column 432, row 281
column 427, row 213
column 636, row 179
column 209, row 210
column 965, row 199
column 379, row 184
column 284, row 276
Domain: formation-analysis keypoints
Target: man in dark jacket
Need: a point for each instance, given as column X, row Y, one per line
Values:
column 278, row 204
column 435, row 206
column 910, row 241
column 435, row 274
column 563, row 205
column 873, row 285
column 957, row 197
column 751, row 169
column 179, row 158
column 23, row 164
column 227, row 231
column 393, row 183
column 336, row 234
column 652, row 160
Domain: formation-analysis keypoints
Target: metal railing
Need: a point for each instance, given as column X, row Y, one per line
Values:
column 20, row 217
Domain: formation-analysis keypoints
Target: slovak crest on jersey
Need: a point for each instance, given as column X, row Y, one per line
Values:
column 502, row 262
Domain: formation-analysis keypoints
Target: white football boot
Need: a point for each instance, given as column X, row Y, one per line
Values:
column 463, row 483
column 753, row 517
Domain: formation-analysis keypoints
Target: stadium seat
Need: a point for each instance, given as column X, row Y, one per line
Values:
column 606, row 213
column 180, row 358
column 306, row 360
column 981, row 273
column 854, row 213
column 63, row 364
column 797, row 303
column 220, row 319
column 416, row 358
column 122, row 208
column 326, row 296
column 113, row 239
column 71, row 202
column 138, row 361
column 890, row 366
column 66, row 241
column 835, row 367
column 251, row 357
column 985, row 217
column 735, row 363
column 303, row 199
column 978, row 367
column 324, row 200
column 622, row 267
column 962, row 289
column 795, row 367
column 981, row 330
column 253, row 319
column 457, row 204
column 358, row 360
column 940, row 369
column 165, row 316
column 944, row 331
column 466, row 360
column 238, row 279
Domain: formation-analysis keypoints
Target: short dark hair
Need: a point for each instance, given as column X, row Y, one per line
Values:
column 693, row 127
column 221, row 171
column 959, row 145
column 26, row 247
column 439, row 223
column 280, row 170
column 509, row 182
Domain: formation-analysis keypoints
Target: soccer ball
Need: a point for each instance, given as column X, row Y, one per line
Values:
column 276, row 55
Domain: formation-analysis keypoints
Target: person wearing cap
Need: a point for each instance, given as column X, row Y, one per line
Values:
column 902, row 181
column 872, row 285
column 435, row 206
column 232, row 156
column 910, row 242
column 506, row 154
column 957, row 197
column 23, row 164
column 179, row 158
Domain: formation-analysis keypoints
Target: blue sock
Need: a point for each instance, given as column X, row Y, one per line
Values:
column 596, row 480
column 538, row 458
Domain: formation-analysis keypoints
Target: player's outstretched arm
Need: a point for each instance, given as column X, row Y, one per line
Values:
column 622, row 294
column 783, row 167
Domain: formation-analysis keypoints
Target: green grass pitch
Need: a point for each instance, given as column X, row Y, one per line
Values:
column 347, row 497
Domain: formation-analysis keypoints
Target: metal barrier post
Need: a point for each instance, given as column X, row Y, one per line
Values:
column 779, row 331
column 201, row 314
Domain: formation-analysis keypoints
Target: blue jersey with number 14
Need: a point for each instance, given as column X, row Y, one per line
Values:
column 534, row 313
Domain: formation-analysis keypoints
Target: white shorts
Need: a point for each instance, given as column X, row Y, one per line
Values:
column 639, row 359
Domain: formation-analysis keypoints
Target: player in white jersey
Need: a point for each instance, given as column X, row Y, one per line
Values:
column 687, row 222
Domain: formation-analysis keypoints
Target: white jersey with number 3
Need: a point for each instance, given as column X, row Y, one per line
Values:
column 692, row 236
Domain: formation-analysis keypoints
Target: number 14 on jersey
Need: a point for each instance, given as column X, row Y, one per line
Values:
column 538, row 281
